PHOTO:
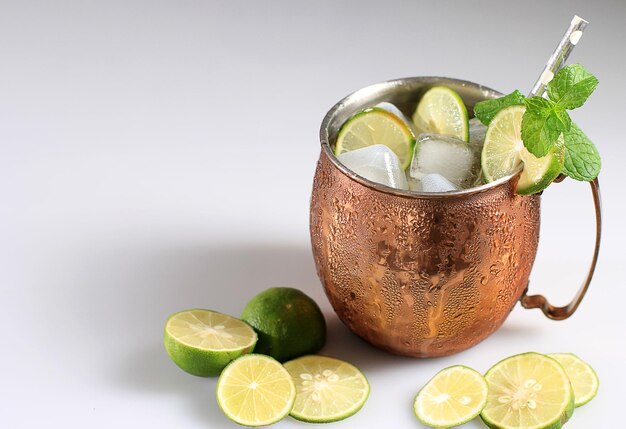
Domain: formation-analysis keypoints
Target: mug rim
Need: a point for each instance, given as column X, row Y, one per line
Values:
column 378, row 87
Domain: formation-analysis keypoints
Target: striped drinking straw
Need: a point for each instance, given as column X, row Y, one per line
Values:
column 571, row 37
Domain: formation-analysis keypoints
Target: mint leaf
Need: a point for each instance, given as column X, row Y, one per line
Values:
column 582, row 160
column 539, row 133
column 539, row 106
column 486, row 110
column 571, row 86
column 562, row 120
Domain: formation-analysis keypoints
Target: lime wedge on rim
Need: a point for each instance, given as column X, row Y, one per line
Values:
column 528, row 391
column 203, row 342
column 327, row 389
column 504, row 151
column 255, row 390
column 582, row 376
column 442, row 111
column 377, row 126
column 454, row 396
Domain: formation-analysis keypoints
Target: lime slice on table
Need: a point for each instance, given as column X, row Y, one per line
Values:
column 327, row 389
column 377, row 126
column 504, row 151
column 442, row 111
column 454, row 396
column 583, row 378
column 255, row 390
column 203, row 342
column 528, row 391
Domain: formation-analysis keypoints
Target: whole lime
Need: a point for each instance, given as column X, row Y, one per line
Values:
column 289, row 323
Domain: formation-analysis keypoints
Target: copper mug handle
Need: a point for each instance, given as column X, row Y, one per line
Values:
column 560, row 313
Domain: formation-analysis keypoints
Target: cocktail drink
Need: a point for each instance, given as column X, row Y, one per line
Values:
column 424, row 221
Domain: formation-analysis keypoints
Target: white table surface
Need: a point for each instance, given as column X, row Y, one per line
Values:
column 159, row 155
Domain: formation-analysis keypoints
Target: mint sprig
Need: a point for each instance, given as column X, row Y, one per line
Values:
column 546, row 124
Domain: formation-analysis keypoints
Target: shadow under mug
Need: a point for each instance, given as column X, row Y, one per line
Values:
column 424, row 274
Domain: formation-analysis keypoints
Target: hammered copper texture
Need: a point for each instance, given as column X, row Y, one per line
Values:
column 419, row 276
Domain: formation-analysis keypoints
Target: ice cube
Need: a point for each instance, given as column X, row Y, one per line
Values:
column 392, row 108
column 436, row 183
column 377, row 163
column 454, row 159
column 477, row 132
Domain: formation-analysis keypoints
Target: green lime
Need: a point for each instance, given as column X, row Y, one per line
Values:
column 504, row 152
column 454, row 396
column 582, row 376
column 203, row 342
column 442, row 111
column 528, row 391
column 255, row 390
column 289, row 323
column 377, row 126
column 327, row 389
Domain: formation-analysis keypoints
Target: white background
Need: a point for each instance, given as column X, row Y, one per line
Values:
column 159, row 155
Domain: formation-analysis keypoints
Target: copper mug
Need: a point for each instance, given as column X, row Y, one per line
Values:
column 424, row 274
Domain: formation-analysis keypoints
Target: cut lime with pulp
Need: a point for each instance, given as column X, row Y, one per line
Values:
column 454, row 396
column 528, row 391
column 504, row 152
column 203, row 342
column 255, row 390
column 327, row 389
column 583, row 378
column 442, row 111
column 377, row 126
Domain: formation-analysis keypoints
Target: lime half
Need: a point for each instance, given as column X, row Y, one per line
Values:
column 442, row 111
column 327, row 389
column 255, row 390
column 504, row 152
column 454, row 396
column 583, row 378
column 377, row 126
column 528, row 391
column 203, row 342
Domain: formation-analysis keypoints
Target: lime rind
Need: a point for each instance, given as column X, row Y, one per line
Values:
column 349, row 380
column 560, row 417
column 441, row 110
column 575, row 367
column 356, row 133
column 255, row 404
column 470, row 413
column 206, row 358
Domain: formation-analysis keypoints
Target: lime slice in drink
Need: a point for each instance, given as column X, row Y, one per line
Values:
column 583, row 378
column 377, row 126
column 255, row 390
column 327, row 389
column 442, row 111
column 504, row 151
column 528, row 391
column 203, row 342
column 455, row 395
